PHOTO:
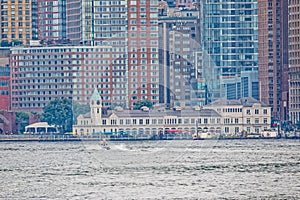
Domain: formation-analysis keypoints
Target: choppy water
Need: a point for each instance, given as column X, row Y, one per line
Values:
column 247, row 169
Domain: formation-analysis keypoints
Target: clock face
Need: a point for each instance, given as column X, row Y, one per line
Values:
column 98, row 102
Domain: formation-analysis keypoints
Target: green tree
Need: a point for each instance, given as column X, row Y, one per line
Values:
column 59, row 113
column 5, row 43
column 22, row 120
column 79, row 109
column 139, row 104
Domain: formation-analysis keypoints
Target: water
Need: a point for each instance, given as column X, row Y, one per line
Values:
column 237, row 169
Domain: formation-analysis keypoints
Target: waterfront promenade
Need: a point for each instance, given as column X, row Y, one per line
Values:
column 76, row 138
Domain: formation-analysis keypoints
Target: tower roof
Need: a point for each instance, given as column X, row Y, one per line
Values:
column 96, row 96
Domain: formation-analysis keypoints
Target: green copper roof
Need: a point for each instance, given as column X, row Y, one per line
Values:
column 96, row 96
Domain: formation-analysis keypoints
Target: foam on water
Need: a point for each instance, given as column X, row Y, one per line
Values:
column 260, row 169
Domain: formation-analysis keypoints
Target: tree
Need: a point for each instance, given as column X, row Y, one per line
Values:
column 22, row 120
column 139, row 104
column 59, row 113
column 5, row 43
column 79, row 109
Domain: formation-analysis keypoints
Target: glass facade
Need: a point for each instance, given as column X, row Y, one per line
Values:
column 230, row 41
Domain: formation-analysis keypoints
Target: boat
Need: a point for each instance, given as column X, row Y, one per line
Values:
column 269, row 133
column 204, row 136
column 104, row 144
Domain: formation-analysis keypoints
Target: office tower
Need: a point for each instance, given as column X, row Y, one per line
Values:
column 51, row 20
column 230, row 47
column 294, row 61
column 273, row 55
column 18, row 22
column 181, row 78
column 4, row 78
column 41, row 74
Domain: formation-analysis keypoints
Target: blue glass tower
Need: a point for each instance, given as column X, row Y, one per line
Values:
column 230, row 46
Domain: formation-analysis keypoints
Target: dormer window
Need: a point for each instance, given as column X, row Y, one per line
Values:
column 98, row 102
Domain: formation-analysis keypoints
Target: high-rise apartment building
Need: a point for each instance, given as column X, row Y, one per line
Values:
column 131, row 29
column 230, row 46
column 143, row 66
column 294, row 60
column 185, row 3
column 18, row 21
column 181, row 72
column 4, row 78
column 273, row 55
column 40, row 74
column 51, row 19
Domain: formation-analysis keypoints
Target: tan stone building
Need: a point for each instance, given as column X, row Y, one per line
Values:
column 223, row 117
column 18, row 21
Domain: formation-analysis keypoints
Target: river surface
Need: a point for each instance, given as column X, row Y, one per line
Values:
column 227, row 169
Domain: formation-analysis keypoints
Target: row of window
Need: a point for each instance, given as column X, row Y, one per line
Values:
column 158, row 121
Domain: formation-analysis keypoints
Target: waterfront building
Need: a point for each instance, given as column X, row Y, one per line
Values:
column 246, row 114
column 273, row 55
column 181, row 73
column 226, row 117
column 230, row 44
column 41, row 74
column 4, row 79
column 294, row 61
column 51, row 20
column 18, row 22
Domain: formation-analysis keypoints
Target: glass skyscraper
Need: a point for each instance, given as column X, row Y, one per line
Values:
column 230, row 47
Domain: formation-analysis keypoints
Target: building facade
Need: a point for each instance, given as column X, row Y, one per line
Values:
column 181, row 73
column 4, row 79
column 294, row 61
column 230, row 42
column 224, row 117
column 273, row 55
column 131, row 29
column 18, row 22
column 40, row 74
column 51, row 20
column 246, row 114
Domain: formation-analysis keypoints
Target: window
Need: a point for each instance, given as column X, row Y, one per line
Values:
column 226, row 129
column 153, row 121
column 256, row 111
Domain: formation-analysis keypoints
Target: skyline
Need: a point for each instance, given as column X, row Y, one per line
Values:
column 203, row 72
